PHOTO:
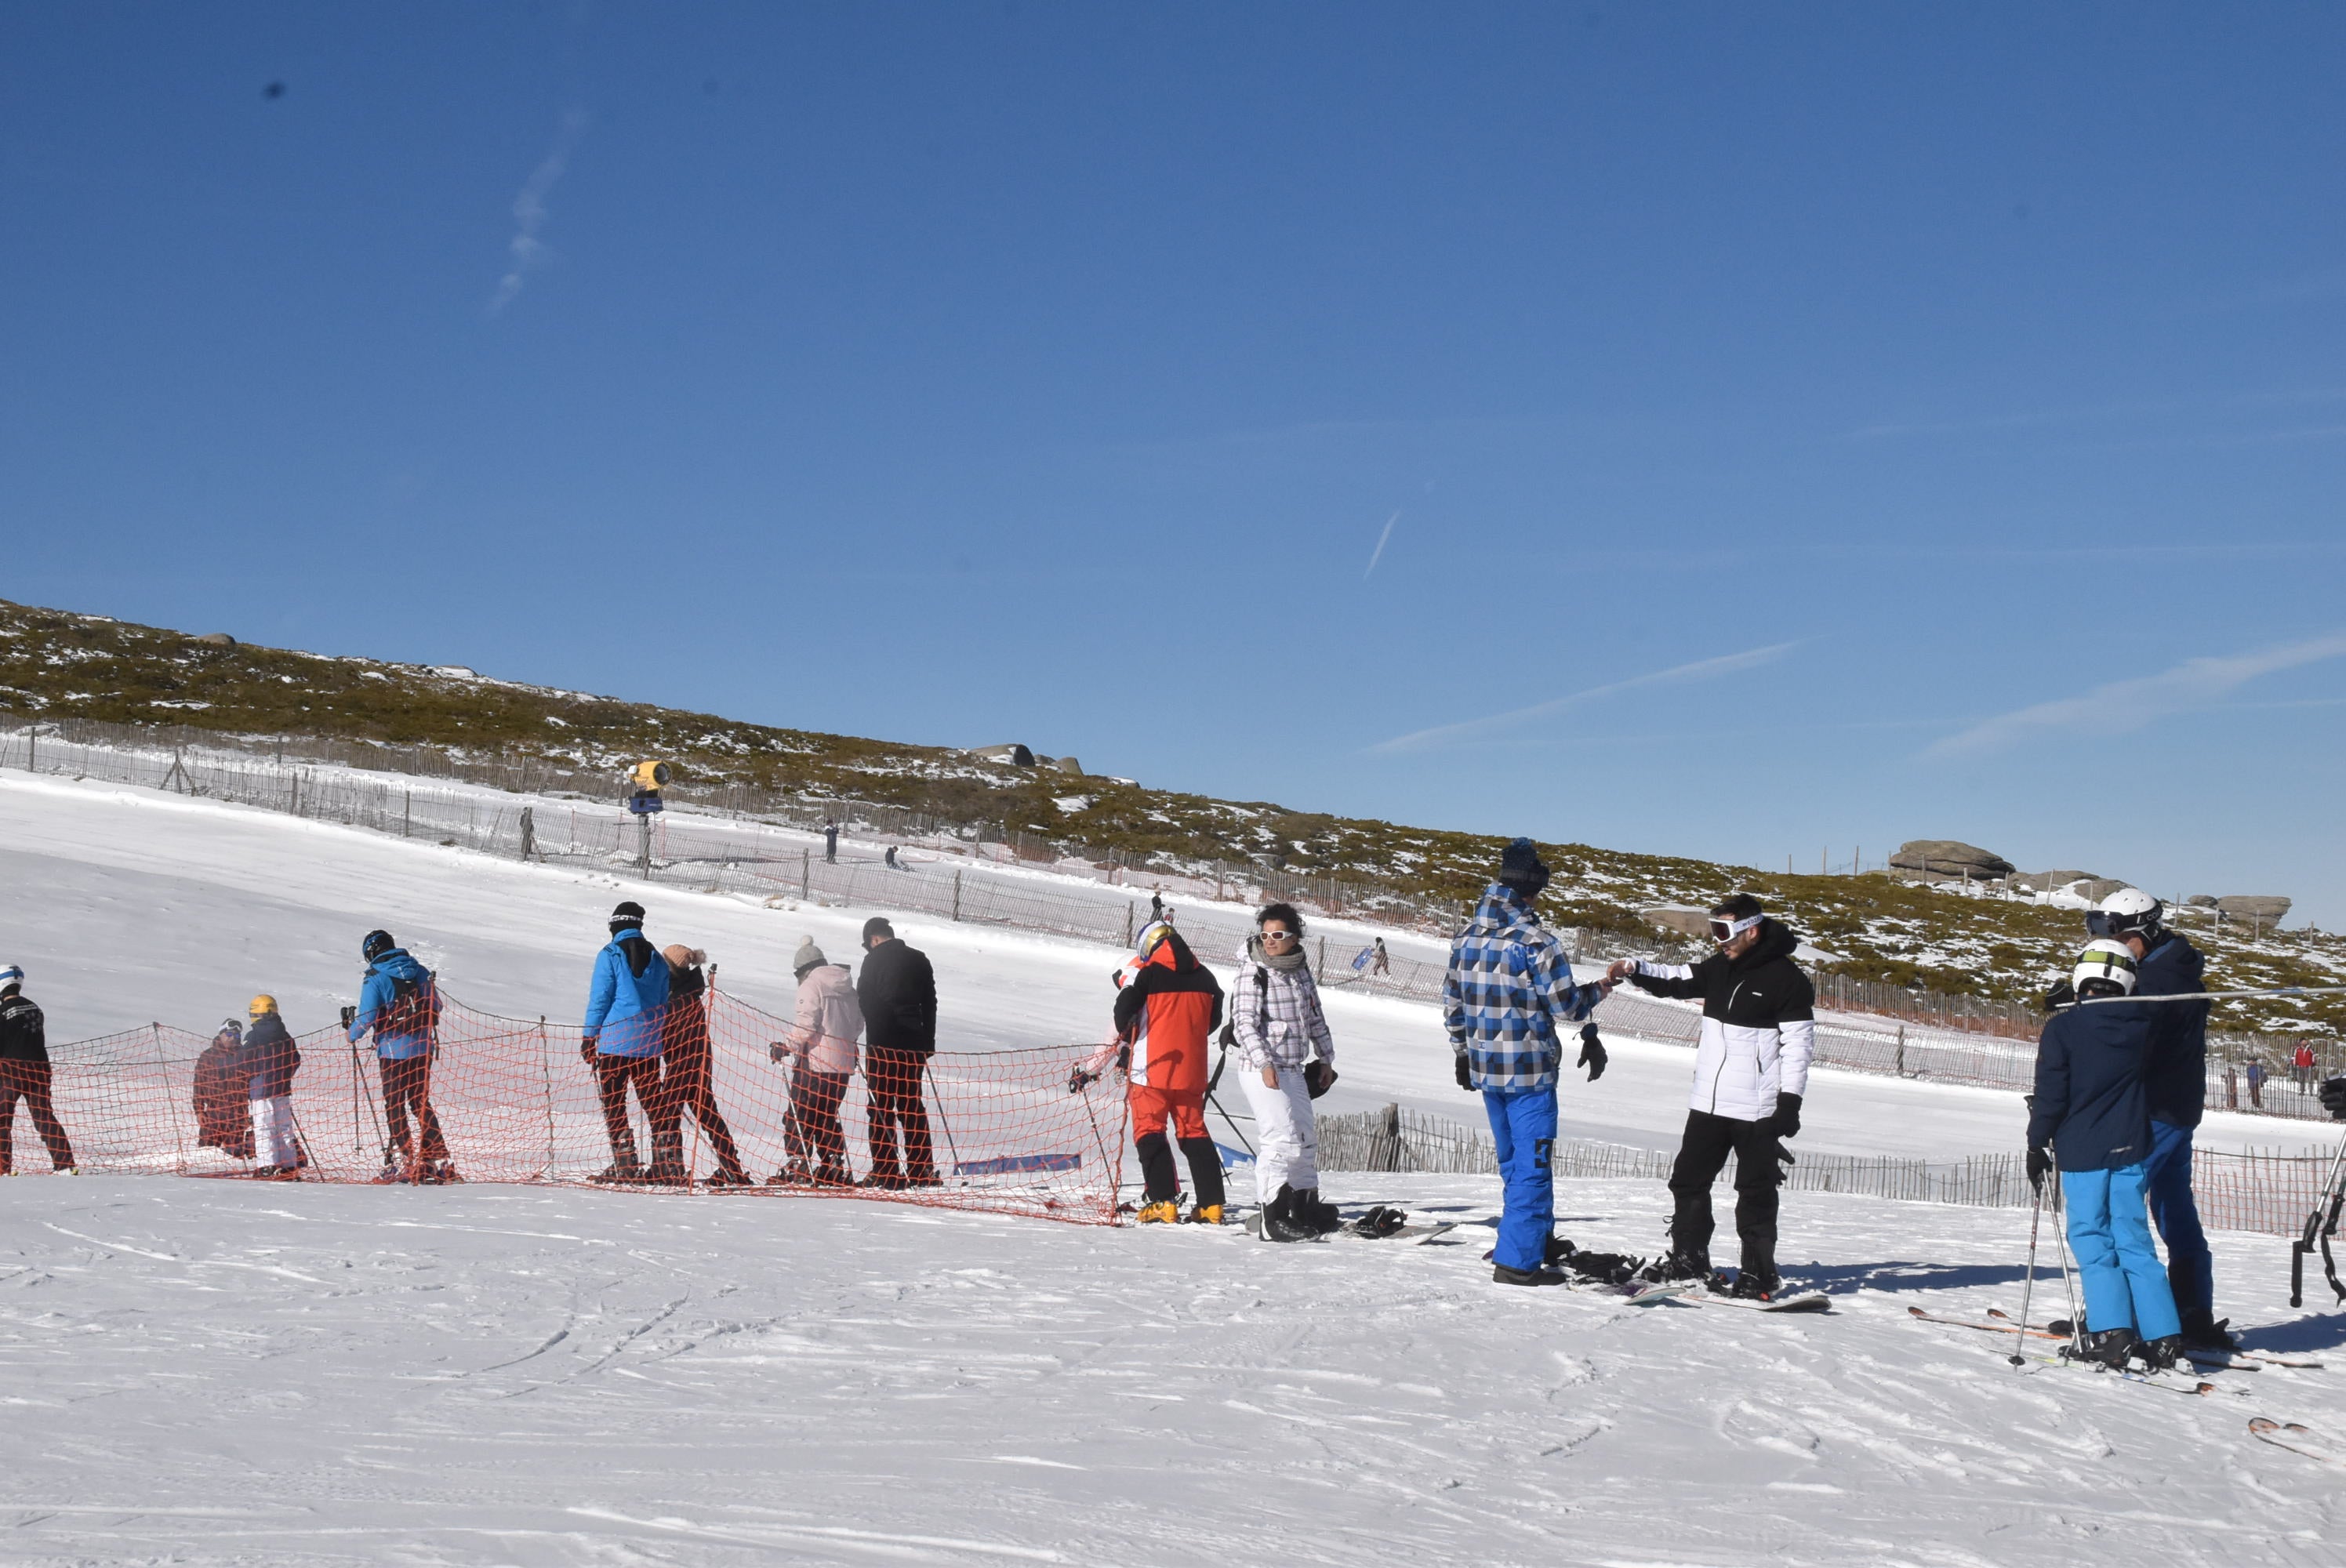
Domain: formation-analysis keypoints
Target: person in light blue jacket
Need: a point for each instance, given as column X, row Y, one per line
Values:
column 399, row 1003
column 626, row 1003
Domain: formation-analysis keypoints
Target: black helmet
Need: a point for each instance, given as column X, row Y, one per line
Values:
column 376, row 944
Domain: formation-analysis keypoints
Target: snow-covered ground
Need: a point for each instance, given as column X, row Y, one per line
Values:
column 210, row 1371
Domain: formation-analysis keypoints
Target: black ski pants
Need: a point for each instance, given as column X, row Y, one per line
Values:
column 1702, row 1155
column 29, row 1082
column 812, row 1131
column 685, row 1077
column 894, row 1098
column 407, row 1085
column 612, row 1077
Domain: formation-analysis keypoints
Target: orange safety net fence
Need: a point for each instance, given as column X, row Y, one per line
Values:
column 515, row 1101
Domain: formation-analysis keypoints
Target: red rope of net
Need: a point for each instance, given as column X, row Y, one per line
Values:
column 718, row 1109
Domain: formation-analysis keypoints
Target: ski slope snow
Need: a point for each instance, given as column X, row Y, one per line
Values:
column 214, row 1372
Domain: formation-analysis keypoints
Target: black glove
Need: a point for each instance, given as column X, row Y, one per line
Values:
column 2062, row 995
column 586, row 1048
column 350, row 1017
column 1079, row 1080
column 778, row 1052
column 1466, row 1077
column 1592, row 1051
column 1786, row 1122
column 2040, row 1166
column 2333, row 1097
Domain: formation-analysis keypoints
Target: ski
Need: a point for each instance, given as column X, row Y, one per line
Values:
column 2238, row 1360
column 2298, row 1438
column 2033, row 1332
column 2127, row 1374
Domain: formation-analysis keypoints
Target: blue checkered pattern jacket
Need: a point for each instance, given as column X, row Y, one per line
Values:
column 1509, row 985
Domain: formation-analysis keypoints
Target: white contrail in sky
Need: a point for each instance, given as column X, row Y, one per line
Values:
column 2123, row 706
column 1700, row 669
column 527, row 251
column 1379, row 553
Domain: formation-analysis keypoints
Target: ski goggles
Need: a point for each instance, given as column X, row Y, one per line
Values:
column 1723, row 931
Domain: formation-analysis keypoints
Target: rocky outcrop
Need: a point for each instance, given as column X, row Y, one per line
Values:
column 2049, row 881
column 2267, row 908
column 2097, row 888
column 1950, row 857
column 1678, row 920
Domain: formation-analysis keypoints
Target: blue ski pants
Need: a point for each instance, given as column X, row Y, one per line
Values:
column 1522, row 1124
column 2109, row 1230
column 2190, row 1272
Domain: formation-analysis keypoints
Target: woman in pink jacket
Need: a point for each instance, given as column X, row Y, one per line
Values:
column 823, row 1039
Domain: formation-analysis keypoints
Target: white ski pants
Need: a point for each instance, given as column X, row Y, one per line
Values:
column 272, row 1132
column 1286, row 1146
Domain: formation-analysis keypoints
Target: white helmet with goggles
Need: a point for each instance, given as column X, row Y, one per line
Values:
column 2129, row 911
column 2105, row 964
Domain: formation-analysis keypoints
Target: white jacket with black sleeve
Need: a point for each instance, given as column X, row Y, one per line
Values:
column 1275, row 1014
column 1758, row 1024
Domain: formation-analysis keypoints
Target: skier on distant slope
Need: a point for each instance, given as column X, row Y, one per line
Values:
column 1751, row 1070
column 25, row 1073
column 1164, row 1015
column 621, row 1041
column 400, row 1002
column 1283, row 1035
column 1508, row 987
column 2176, row 1082
column 2092, row 1112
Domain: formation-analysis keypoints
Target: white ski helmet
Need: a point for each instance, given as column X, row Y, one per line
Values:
column 2127, row 910
column 2107, row 959
column 10, row 974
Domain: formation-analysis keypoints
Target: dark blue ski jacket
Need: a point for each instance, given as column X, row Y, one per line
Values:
column 2090, row 1104
column 2177, row 1082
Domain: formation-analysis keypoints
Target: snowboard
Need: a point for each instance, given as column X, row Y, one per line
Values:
column 1803, row 1301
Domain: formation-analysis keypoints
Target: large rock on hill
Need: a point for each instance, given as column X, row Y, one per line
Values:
column 1950, row 857
column 2252, row 906
column 1678, row 920
column 2049, row 881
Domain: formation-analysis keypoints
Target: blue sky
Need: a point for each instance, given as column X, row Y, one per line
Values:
column 1733, row 431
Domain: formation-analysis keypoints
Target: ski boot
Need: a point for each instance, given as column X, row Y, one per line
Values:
column 2159, row 1355
column 791, row 1174
column 445, row 1172
column 1503, row 1275
column 2107, row 1347
column 623, row 1170
column 729, row 1180
column 1204, row 1214
column 1677, row 1266
column 668, row 1168
column 1315, row 1215
column 2202, row 1331
column 1383, row 1221
column 1756, row 1285
column 830, row 1174
column 1278, row 1221
column 1164, row 1211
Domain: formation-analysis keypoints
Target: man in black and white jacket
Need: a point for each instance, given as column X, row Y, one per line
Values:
column 1750, row 1069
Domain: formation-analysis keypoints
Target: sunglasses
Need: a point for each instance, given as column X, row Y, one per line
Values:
column 1274, row 935
column 1723, row 931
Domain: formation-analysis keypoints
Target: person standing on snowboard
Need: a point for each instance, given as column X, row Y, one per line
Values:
column 2091, row 1117
column 1751, row 1070
column 1165, row 1016
column 1284, row 1043
column 625, row 1002
column 1508, row 989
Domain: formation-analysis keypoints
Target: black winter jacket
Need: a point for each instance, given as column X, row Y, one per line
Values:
column 2090, row 1102
column 2177, row 1079
column 24, row 1037
column 898, row 993
column 270, row 1058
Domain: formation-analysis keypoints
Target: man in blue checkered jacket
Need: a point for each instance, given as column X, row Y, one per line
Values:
column 1508, row 989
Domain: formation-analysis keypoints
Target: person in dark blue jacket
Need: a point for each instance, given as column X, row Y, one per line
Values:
column 270, row 1059
column 2091, row 1110
column 400, row 1003
column 625, row 1004
column 2177, row 1084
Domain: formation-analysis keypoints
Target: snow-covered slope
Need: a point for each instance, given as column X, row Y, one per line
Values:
column 213, row 1372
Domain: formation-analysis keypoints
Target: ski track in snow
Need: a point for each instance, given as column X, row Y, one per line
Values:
column 207, row 1372
column 199, row 1374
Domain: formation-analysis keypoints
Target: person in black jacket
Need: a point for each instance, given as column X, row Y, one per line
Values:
column 2092, row 1112
column 2176, row 1084
column 898, row 993
column 270, row 1060
column 1751, row 1070
column 25, row 1073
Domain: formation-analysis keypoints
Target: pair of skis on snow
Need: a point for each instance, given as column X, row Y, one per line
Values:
column 2232, row 1360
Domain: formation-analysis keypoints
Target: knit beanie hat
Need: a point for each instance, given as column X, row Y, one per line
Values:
column 1520, row 869
column 809, row 956
column 627, row 917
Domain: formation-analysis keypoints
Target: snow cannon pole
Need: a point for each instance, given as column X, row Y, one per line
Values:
column 2027, row 1280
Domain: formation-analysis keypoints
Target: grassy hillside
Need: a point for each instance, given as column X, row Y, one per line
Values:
column 54, row 665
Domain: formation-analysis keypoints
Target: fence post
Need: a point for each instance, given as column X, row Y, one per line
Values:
column 806, row 874
column 1128, row 908
column 1902, row 1050
column 407, row 811
column 1322, row 965
column 956, row 912
column 31, row 756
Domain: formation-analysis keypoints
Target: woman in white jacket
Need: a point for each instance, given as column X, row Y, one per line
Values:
column 823, row 1039
column 1278, row 1027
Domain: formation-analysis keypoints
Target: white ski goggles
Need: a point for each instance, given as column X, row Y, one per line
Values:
column 1723, row 931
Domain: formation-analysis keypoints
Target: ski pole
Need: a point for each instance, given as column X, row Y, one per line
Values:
column 2069, row 1280
column 2028, row 1280
column 949, row 1138
column 1232, row 1124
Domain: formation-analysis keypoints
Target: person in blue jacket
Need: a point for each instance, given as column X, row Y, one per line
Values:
column 2092, row 1112
column 625, row 1003
column 399, row 1001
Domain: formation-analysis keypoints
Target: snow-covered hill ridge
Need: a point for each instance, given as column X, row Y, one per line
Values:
column 62, row 668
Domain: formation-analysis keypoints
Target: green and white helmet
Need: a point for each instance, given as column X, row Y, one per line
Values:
column 2107, row 959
